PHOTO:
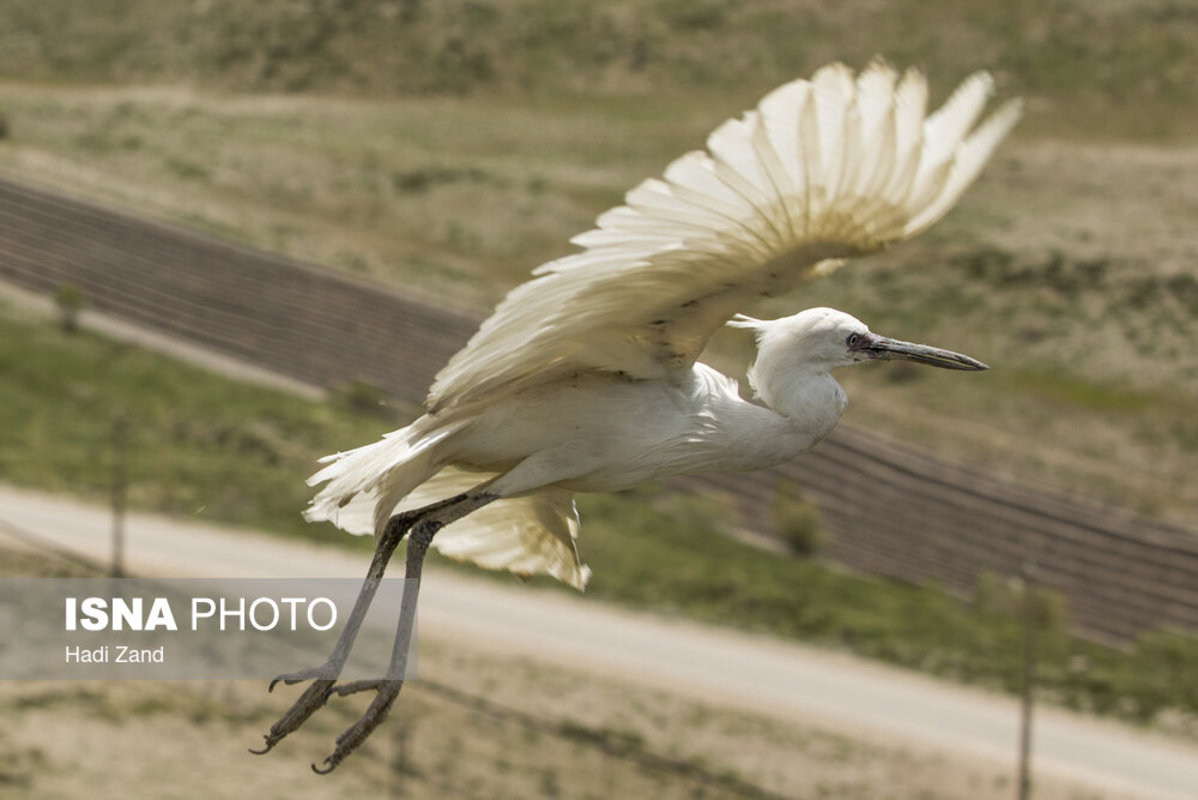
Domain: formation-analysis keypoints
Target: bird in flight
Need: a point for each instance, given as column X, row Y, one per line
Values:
column 586, row 378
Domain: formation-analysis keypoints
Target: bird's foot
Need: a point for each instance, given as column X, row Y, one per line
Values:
column 313, row 698
column 385, row 693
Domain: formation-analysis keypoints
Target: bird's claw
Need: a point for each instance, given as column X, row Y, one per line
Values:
column 385, row 693
column 313, row 698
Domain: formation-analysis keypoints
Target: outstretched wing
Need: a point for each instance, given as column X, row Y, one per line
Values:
column 830, row 168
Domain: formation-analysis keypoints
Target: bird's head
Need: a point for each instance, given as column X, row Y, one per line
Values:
column 824, row 339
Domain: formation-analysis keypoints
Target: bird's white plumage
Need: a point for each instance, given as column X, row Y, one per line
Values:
column 529, row 534
column 822, row 170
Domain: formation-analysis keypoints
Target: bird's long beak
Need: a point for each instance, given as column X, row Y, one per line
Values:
column 884, row 349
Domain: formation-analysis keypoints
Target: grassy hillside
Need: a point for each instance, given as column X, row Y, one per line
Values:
column 448, row 147
column 1101, row 56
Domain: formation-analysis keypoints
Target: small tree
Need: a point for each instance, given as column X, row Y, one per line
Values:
column 363, row 397
column 70, row 299
column 797, row 520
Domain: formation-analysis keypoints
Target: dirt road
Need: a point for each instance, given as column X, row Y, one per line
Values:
column 723, row 667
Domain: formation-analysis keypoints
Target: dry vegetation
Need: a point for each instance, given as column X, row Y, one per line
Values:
column 490, row 726
column 178, row 741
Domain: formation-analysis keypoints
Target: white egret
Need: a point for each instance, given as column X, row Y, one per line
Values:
column 586, row 377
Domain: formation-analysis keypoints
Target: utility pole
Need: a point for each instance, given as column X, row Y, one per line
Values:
column 1030, row 627
column 398, row 766
column 120, row 436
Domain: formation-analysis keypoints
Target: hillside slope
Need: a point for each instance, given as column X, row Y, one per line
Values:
column 1081, row 55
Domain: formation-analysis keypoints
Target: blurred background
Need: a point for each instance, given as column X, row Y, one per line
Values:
column 337, row 191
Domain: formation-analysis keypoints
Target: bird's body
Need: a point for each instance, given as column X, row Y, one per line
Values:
column 599, row 433
column 586, row 378
column 592, row 432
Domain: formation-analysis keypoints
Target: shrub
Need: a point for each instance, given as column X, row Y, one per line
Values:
column 797, row 521
column 70, row 300
column 363, row 397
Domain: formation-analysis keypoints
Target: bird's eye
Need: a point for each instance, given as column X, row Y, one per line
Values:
column 853, row 339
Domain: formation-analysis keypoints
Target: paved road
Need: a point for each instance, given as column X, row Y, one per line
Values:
column 720, row 666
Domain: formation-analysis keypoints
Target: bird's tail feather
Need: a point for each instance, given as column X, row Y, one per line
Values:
column 527, row 535
column 364, row 484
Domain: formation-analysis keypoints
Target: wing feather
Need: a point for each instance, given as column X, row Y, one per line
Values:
column 875, row 104
column 910, row 103
column 971, row 156
column 528, row 534
column 833, row 95
column 821, row 170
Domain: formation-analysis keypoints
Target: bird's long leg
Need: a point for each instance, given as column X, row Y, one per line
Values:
column 387, row 689
column 324, row 677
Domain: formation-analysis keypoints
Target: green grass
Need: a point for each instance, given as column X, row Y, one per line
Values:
column 206, row 447
column 197, row 446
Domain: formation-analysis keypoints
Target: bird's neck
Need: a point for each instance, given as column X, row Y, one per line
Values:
column 809, row 399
